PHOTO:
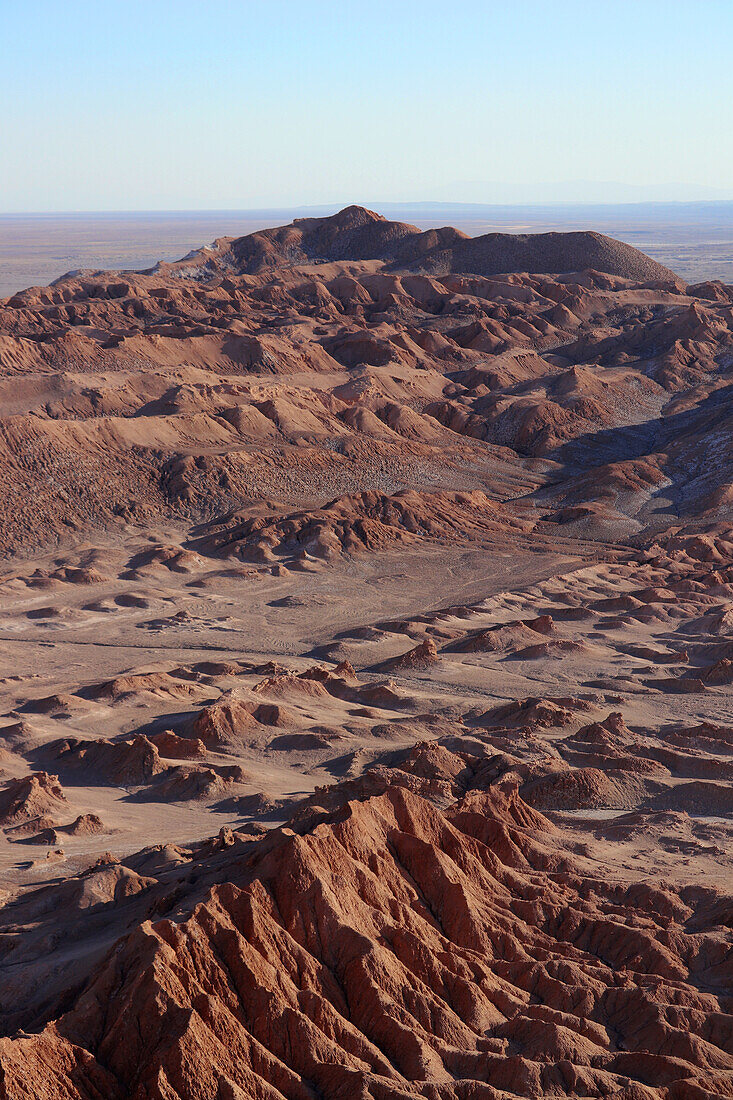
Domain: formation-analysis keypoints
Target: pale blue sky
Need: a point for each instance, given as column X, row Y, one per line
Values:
column 235, row 104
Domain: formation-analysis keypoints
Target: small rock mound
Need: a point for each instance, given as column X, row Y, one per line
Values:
column 581, row 789
column 423, row 656
column 170, row 745
column 35, row 796
column 535, row 713
column 116, row 763
column 226, row 722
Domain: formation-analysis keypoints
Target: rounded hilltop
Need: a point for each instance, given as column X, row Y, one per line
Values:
column 356, row 233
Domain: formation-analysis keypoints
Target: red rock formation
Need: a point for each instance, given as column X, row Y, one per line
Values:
column 424, row 655
column 401, row 951
column 39, row 795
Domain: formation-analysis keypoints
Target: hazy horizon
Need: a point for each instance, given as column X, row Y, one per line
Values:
column 694, row 239
column 372, row 204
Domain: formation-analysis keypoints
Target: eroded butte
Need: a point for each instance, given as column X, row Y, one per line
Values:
column 366, row 649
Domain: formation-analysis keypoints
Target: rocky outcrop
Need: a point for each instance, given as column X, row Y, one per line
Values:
column 35, row 796
column 401, row 951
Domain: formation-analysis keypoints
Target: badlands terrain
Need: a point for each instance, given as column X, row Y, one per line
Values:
column 366, row 650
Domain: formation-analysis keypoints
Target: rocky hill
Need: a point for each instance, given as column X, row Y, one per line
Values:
column 359, row 234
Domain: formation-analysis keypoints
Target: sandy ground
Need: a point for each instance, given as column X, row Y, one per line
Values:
column 70, row 639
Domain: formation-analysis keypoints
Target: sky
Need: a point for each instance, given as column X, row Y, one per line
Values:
column 242, row 104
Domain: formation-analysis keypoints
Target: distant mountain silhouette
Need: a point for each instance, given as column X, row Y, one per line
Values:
column 359, row 234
